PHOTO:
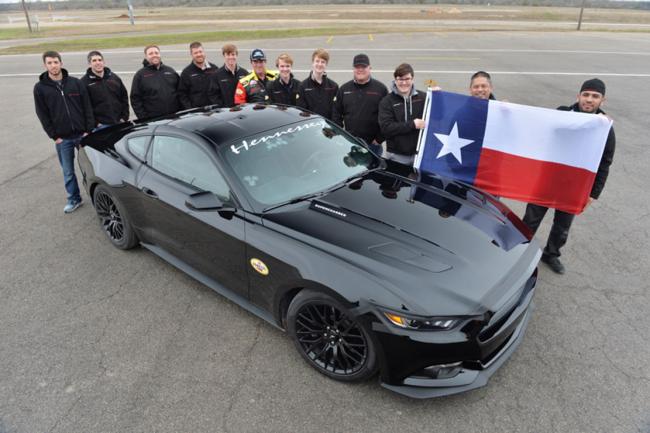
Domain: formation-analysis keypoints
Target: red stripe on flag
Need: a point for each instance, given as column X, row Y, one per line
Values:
column 549, row 184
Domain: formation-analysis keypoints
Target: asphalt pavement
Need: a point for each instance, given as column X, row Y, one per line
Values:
column 93, row 339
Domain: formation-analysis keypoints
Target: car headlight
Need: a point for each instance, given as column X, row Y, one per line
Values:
column 421, row 324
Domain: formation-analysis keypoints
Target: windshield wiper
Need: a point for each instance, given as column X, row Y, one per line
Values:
column 321, row 193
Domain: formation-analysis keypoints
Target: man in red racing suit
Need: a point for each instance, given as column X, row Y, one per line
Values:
column 252, row 87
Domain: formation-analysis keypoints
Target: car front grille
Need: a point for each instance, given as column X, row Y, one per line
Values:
column 498, row 332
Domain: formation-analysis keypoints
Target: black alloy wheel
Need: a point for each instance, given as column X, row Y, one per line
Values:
column 113, row 220
column 329, row 339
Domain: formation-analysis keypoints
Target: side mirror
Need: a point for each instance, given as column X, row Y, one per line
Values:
column 207, row 201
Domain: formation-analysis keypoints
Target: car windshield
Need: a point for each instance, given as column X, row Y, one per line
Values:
column 296, row 160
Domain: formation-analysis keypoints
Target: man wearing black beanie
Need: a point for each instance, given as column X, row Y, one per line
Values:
column 590, row 99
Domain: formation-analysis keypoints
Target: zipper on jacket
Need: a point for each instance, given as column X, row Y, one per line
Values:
column 67, row 110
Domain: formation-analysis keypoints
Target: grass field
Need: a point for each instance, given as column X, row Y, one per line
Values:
column 84, row 44
column 110, row 28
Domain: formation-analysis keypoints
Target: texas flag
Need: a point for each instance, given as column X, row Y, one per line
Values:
column 536, row 155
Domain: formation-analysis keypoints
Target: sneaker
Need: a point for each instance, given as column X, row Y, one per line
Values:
column 554, row 263
column 72, row 206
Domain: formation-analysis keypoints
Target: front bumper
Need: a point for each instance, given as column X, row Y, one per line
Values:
column 468, row 378
column 476, row 355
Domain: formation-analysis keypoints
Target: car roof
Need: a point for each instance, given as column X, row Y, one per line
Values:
column 223, row 125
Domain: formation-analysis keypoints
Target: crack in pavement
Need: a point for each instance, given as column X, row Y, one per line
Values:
column 61, row 418
column 244, row 377
column 100, row 300
column 27, row 170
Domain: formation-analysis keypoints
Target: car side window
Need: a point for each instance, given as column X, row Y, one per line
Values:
column 138, row 146
column 183, row 160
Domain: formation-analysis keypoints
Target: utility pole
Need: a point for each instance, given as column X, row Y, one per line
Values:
column 131, row 18
column 582, row 8
column 29, row 23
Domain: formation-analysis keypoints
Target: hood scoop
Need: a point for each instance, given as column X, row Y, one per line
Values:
column 408, row 256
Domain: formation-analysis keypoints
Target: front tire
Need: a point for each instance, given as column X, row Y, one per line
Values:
column 329, row 339
column 113, row 220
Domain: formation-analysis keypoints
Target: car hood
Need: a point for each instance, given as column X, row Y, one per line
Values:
column 436, row 244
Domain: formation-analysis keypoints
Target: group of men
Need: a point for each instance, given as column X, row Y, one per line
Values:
column 388, row 120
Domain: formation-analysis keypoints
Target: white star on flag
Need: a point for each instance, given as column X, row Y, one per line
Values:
column 452, row 143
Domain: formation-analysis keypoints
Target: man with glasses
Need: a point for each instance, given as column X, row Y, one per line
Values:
column 252, row 88
column 357, row 104
column 400, row 116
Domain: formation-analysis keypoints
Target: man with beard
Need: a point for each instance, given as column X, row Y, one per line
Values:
column 357, row 104
column 65, row 112
column 285, row 89
column 590, row 100
column 154, row 91
column 198, row 85
column 252, row 88
column 229, row 74
column 318, row 92
column 107, row 93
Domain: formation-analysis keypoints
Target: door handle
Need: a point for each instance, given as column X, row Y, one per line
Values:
column 151, row 193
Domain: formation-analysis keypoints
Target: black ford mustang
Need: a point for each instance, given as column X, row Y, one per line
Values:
column 369, row 268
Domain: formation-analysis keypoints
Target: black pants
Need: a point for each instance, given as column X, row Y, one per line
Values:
column 559, row 231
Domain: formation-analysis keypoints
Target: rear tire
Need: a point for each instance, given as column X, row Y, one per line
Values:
column 113, row 219
column 329, row 339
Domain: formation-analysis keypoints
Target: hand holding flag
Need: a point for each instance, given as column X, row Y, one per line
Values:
column 532, row 154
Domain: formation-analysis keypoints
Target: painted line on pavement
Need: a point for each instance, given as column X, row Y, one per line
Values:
column 390, row 50
column 420, row 71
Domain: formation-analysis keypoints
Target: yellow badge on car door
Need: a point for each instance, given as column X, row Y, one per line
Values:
column 259, row 266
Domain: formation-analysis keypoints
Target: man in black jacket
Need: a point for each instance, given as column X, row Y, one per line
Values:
column 229, row 75
column 400, row 116
column 154, row 91
column 317, row 92
column 357, row 104
column 198, row 85
column 63, row 107
column 590, row 99
column 107, row 93
column 285, row 89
